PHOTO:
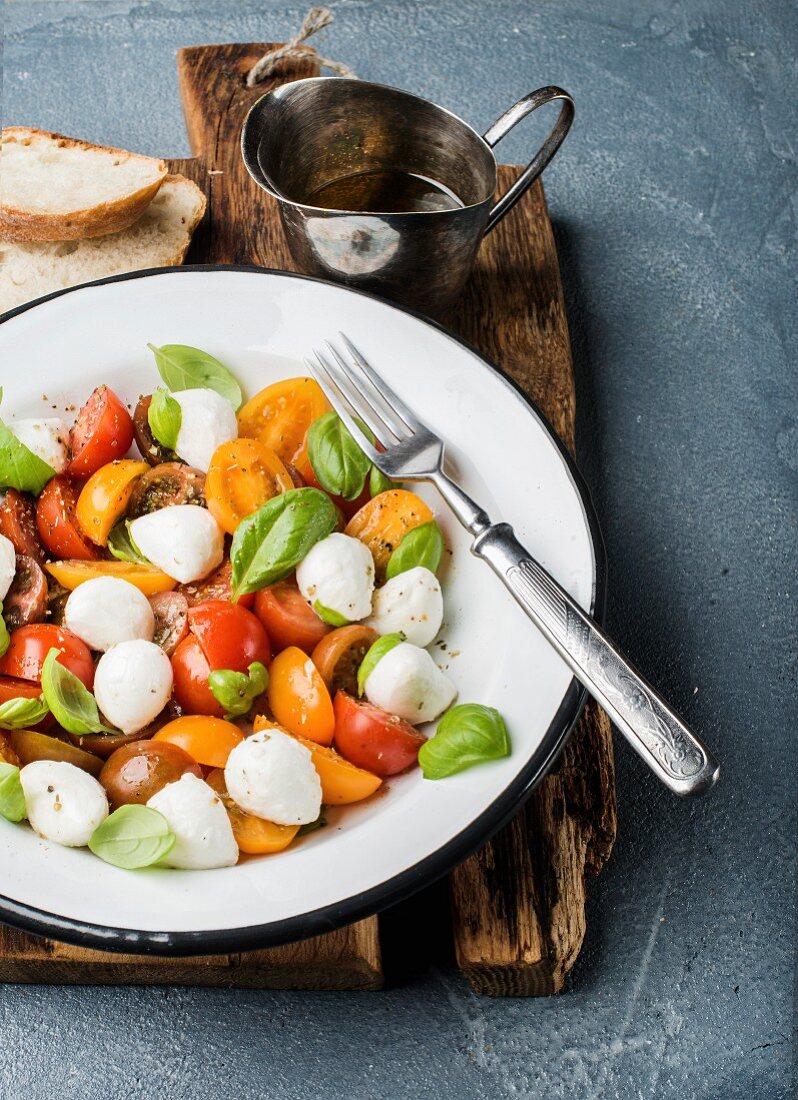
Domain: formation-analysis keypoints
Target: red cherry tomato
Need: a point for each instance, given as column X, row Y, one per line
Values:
column 18, row 524
column 56, row 523
column 30, row 645
column 190, row 670
column 372, row 739
column 289, row 620
column 103, row 431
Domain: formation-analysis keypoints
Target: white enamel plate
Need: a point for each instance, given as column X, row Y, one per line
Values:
column 261, row 324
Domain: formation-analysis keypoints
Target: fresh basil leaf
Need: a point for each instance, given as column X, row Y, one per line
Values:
column 423, row 545
column 20, row 468
column 165, row 417
column 132, row 837
column 184, row 368
column 468, row 734
column 73, row 705
column 20, row 713
column 12, row 797
column 5, row 637
column 327, row 615
column 269, row 544
column 379, row 482
column 374, row 655
column 122, row 546
column 237, row 691
column 312, row 826
column 337, row 461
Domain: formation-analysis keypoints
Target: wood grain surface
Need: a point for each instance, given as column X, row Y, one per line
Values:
column 518, row 905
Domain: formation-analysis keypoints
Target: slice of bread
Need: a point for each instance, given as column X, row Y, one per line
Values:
column 160, row 238
column 53, row 188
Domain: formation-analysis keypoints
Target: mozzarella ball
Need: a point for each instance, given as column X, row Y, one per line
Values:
column 271, row 775
column 338, row 573
column 47, row 437
column 207, row 421
column 196, row 815
column 411, row 604
column 407, row 682
column 133, row 683
column 107, row 610
column 8, row 565
column 63, row 803
column 183, row 540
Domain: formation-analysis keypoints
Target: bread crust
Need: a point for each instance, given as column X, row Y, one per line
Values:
column 93, row 221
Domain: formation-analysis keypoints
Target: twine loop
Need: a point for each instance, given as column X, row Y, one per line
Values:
column 315, row 20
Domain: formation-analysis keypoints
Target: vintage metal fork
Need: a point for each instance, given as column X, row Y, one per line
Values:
column 414, row 453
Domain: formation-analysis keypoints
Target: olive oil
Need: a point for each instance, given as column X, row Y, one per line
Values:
column 387, row 191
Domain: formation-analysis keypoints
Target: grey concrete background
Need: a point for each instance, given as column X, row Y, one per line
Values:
column 674, row 204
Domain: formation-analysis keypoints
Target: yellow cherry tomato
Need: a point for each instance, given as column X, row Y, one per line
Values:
column 298, row 697
column 146, row 578
column 104, row 498
column 383, row 522
column 209, row 740
column 280, row 415
column 254, row 835
column 243, row 474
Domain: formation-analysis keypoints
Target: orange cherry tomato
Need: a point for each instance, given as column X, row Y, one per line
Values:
column 385, row 520
column 57, row 524
column 288, row 618
column 298, row 697
column 339, row 655
column 254, row 835
column 208, row 740
column 29, row 646
column 373, row 739
column 146, row 578
column 281, row 413
column 103, row 431
column 243, row 474
column 104, row 498
column 341, row 782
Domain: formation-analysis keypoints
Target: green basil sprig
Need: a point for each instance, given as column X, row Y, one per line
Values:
column 122, row 546
column 73, row 705
column 165, row 417
column 423, row 545
column 20, row 713
column 269, row 544
column 132, row 837
column 327, row 615
column 312, row 826
column 337, row 461
column 468, row 734
column 185, row 368
column 12, row 797
column 5, row 637
column 20, row 468
column 237, row 691
column 374, row 655
column 379, row 482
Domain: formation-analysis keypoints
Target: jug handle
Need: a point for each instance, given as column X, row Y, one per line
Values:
column 504, row 124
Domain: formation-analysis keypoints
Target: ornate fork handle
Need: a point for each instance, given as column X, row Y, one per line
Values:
column 681, row 761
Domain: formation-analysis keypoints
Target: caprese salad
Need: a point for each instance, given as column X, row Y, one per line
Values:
column 216, row 621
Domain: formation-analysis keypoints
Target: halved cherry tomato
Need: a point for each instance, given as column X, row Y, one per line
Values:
column 254, row 835
column 224, row 636
column 216, row 586
column 146, row 578
column 18, row 524
column 103, row 431
column 341, row 782
column 11, row 688
column 208, row 740
column 151, row 450
column 7, row 754
column 29, row 645
column 308, row 475
column 165, row 485
column 289, row 620
column 339, row 655
column 30, row 745
column 242, row 476
column 104, row 498
column 26, row 600
column 298, row 697
column 281, row 413
column 371, row 738
column 137, row 771
column 57, row 524
column 385, row 520
column 171, row 620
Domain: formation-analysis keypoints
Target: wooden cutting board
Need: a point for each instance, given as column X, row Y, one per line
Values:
column 518, row 905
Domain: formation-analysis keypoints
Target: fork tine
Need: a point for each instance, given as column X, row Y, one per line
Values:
column 357, row 401
column 339, row 401
column 391, row 399
column 369, row 392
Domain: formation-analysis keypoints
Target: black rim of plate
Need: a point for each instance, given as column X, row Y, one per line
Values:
column 426, row 871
